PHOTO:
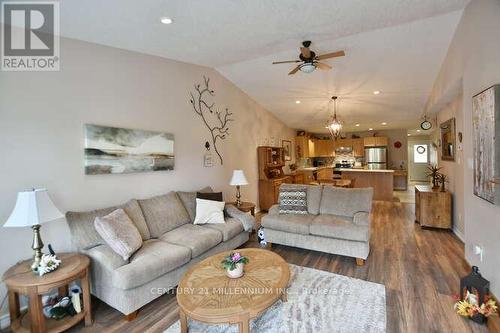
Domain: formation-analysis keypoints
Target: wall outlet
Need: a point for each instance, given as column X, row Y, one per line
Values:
column 478, row 251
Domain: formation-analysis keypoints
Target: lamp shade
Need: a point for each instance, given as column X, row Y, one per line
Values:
column 238, row 178
column 32, row 208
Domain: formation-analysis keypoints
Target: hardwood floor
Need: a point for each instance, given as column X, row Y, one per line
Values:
column 420, row 269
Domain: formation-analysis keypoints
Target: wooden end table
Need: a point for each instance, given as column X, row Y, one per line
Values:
column 20, row 280
column 244, row 207
column 206, row 294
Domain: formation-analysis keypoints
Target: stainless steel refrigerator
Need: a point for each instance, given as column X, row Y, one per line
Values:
column 376, row 158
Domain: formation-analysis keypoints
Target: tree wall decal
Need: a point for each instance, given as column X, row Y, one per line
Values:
column 215, row 120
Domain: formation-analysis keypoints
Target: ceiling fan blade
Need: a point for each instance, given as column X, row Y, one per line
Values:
column 322, row 66
column 306, row 53
column 331, row 55
column 285, row 62
column 293, row 71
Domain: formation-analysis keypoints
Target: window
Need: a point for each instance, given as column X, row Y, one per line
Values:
column 420, row 154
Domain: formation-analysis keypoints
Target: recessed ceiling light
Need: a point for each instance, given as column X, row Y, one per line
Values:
column 409, row 134
column 166, row 20
column 370, row 129
column 297, row 102
column 418, row 130
column 357, row 125
column 384, row 123
column 376, row 92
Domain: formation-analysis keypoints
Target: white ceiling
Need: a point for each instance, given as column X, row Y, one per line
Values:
column 395, row 46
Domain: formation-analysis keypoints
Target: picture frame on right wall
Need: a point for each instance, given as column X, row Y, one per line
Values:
column 486, row 144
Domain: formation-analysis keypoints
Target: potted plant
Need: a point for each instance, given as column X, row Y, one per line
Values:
column 233, row 264
column 434, row 173
column 443, row 179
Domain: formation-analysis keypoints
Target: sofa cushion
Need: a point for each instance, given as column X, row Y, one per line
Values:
column 163, row 213
column 345, row 201
column 154, row 259
column 313, row 196
column 341, row 227
column 119, row 232
column 297, row 224
column 209, row 211
column 293, row 200
column 228, row 230
column 81, row 224
column 215, row 196
column 189, row 200
column 196, row 238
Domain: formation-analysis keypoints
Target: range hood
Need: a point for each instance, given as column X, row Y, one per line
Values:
column 343, row 150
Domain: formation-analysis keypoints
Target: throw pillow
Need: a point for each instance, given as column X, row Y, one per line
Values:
column 293, row 200
column 209, row 211
column 119, row 232
column 215, row 196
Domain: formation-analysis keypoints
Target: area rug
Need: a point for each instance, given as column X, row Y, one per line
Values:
column 318, row 301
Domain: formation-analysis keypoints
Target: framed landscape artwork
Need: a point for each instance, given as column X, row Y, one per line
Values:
column 486, row 145
column 110, row 150
column 287, row 149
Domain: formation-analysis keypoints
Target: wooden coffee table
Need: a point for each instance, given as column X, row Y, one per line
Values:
column 206, row 294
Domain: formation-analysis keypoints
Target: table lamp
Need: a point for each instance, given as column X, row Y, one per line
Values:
column 238, row 180
column 32, row 209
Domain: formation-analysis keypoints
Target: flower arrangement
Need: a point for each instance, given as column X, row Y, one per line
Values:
column 471, row 309
column 230, row 262
column 48, row 264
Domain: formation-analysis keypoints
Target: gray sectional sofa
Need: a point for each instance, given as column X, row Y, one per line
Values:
column 338, row 222
column 171, row 244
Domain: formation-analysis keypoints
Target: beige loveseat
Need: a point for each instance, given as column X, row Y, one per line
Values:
column 338, row 222
column 171, row 244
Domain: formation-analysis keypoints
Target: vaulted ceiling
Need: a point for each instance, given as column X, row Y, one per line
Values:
column 394, row 46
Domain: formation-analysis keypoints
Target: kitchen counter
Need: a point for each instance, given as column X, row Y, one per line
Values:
column 363, row 170
column 382, row 181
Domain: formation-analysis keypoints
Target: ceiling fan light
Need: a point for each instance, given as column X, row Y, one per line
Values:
column 307, row 67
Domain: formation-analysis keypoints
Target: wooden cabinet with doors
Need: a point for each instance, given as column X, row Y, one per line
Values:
column 376, row 141
column 271, row 162
column 323, row 148
column 432, row 207
column 325, row 173
column 305, row 147
column 358, row 147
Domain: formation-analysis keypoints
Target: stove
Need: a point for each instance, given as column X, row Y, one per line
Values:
column 343, row 164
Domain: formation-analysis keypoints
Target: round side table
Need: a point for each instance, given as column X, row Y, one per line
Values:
column 20, row 280
column 245, row 207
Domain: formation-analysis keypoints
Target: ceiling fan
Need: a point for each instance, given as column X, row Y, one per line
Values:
column 309, row 59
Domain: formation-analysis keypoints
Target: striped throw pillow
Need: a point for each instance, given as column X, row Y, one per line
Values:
column 293, row 200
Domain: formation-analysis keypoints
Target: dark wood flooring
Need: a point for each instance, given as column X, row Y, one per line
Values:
column 420, row 269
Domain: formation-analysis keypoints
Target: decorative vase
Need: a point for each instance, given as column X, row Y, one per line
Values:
column 435, row 182
column 479, row 318
column 443, row 188
column 235, row 273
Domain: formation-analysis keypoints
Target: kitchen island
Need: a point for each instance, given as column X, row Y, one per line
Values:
column 382, row 181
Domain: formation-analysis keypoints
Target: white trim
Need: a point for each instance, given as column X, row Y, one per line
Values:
column 459, row 234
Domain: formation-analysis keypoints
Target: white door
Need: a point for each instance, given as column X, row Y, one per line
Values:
column 418, row 151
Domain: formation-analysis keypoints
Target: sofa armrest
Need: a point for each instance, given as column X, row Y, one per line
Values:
column 361, row 218
column 247, row 220
column 103, row 261
column 274, row 210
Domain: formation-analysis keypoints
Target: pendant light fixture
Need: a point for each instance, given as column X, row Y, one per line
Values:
column 334, row 125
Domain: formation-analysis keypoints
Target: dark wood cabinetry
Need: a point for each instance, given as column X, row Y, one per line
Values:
column 271, row 162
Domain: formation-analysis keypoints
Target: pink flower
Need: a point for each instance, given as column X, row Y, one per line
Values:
column 236, row 257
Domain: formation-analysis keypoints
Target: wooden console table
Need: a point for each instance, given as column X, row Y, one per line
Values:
column 20, row 280
column 432, row 207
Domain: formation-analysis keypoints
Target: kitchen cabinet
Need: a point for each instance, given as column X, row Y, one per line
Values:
column 305, row 147
column 375, row 141
column 358, row 147
column 325, row 173
column 323, row 148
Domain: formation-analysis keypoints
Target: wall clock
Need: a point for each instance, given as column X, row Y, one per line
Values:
column 426, row 125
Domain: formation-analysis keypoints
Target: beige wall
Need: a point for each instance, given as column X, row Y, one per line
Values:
column 41, row 134
column 473, row 61
column 453, row 169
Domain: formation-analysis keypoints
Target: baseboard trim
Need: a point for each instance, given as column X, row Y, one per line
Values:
column 459, row 234
column 5, row 319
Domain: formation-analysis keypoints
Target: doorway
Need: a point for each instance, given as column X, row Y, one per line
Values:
column 418, row 158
